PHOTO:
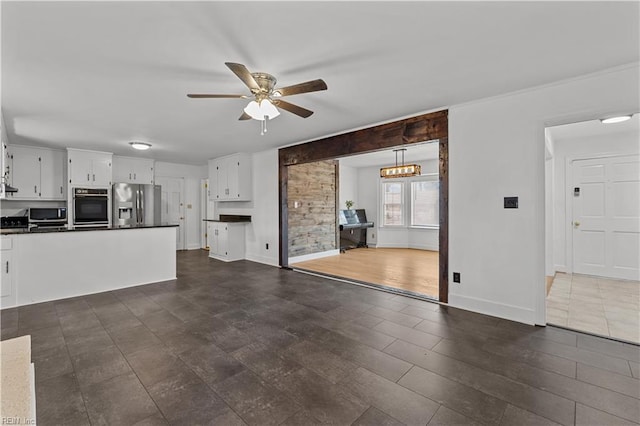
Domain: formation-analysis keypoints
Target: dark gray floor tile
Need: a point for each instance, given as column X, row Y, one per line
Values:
column 635, row 369
column 52, row 363
column 154, row 364
column 609, row 347
column 538, row 401
column 59, row 402
column 319, row 360
column 301, row 418
column 9, row 318
column 73, row 322
column 254, row 400
column 373, row 416
column 587, row 416
column 395, row 400
column 447, row 417
column 162, row 322
column 223, row 335
column 140, row 305
column 323, row 400
column 45, row 339
column 9, row 333
column 595, row 359
column 34, row 319
column 269, row 365
column 623, row 384
column 110, row 309
column 117, row 321
column 368, row 321
column 394, row 316
column 131, row 340
column 537, row 359
column 101, row 299
column 517, row 416
column 372, row 359
column 211, row 363
column 606, row 400
column 464, row 399
column 73, row 305
column 88, row 339
column 119, row 400
column 180, row 342
column 408, row 334
column 100, row 365
column 192, row 404
column 154, row 420
column 364, row 335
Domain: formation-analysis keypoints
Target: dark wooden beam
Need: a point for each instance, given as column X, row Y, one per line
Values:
column 283, row 176
column 411, row 130
column 443, row 237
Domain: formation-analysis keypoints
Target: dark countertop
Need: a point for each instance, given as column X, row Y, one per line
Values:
column 24, row 231
column 230, row 218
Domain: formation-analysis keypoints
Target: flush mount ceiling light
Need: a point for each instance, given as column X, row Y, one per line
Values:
column 266, row 98
column 400, row 170
column 142, row 146
column 616, row 119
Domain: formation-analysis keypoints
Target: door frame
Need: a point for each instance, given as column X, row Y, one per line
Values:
column 417, row 129
column 182, row 227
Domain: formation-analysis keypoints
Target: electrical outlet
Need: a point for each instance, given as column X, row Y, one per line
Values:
column 456, row 277
column 266, row 246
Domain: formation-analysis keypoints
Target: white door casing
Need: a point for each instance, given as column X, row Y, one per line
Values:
column 606, row 216
column 172, row 205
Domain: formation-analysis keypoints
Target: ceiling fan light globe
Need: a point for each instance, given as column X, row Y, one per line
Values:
column 258, row 111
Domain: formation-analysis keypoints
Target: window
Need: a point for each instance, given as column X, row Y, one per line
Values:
column 392, row 204
column 425, row 204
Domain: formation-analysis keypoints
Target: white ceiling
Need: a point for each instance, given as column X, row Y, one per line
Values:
column 594, row 128
column 97, row 75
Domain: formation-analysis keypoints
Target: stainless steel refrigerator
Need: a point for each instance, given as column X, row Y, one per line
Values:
column 135, row 204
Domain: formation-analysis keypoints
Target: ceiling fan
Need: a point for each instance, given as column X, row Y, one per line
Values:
column 265, row 97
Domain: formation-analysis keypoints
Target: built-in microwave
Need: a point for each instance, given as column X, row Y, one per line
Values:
column 90, row 207
column 47, row 215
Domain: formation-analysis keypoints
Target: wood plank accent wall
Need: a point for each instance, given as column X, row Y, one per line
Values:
column 416, row 129
column 312, row 208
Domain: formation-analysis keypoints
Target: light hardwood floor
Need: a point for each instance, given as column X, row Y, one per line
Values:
column 406, row 269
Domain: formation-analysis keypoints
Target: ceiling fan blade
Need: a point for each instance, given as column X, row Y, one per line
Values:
column 245, row 116
column 243, row 74
column 306, row 87
column 295, row 109
column 199, row 96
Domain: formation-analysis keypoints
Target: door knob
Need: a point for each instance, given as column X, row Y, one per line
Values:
column 576, row 224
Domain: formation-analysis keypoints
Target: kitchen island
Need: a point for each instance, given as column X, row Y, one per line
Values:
column 50, row 264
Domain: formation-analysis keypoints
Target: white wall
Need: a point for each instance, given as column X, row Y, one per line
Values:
column 348, row 186
column 263, row 209
column 565, row 151
column 192, row 176
column 496, row 149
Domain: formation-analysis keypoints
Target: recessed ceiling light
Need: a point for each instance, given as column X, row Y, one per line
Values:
column 617, row 119
column 142, row 146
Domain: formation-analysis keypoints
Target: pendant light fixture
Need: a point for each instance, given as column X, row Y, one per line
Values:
column 400, row 170
column 262, row 110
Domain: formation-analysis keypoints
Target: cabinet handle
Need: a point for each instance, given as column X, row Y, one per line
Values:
column 7, row 267
column 129, row 176
column 94, row 177
column 35, row 188
column 61, row 190
column 134, row 176
column 88, row 177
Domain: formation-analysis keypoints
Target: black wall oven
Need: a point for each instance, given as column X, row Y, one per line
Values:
column 90, row 207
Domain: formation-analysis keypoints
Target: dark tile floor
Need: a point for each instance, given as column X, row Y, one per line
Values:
column 244, row 343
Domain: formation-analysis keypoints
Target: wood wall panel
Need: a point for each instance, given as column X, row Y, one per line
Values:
column 311, row 196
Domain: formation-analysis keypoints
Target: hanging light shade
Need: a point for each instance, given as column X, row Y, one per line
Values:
column 258, row 111
column 400, row 170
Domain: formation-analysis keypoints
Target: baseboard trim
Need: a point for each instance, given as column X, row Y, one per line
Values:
column 263, row 259
column 408, row 246
column 313, row 256
column 487, row 307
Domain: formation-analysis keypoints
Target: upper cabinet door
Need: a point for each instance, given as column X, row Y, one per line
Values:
column 25, row 171
column 122, row 170
column 101, row 171
column 52, row 174
column 143, row 171
column 230, row 178
column 89, row 168
column 80, row 168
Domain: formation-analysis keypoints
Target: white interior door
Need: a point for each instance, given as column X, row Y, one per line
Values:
column 172, row 205
column 606, row 217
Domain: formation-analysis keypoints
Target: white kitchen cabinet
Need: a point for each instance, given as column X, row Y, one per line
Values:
column 132, row 170
column 7, row 275
column 226, row 241
column 38, row 173
column 89, row 168
column 230, row 178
